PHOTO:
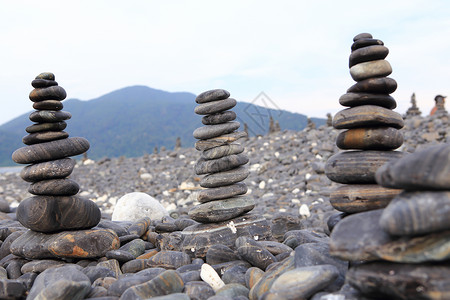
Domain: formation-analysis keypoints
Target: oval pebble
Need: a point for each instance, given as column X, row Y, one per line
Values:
column 215, row 106
column 212, row 95
column 375, row 68
column 365, row 116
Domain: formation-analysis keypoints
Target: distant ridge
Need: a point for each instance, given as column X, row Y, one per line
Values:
column 134, row 120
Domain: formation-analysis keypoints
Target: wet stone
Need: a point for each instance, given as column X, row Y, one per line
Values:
column 211, row 131
column 44, row 136
column 425, row 169
column 222, row 192
column 370, row 138
column 254, row 253
column 54, row 187
column 39, row 266
column 219, row 118
column 53, row 275
column 220, row 253
column 224, row 178
column 212, row 95
column 365, row 42
column 49, row 116
column 56, row 213
column 119, row 286
column 121, row 256
column 368, row 53
column 416, row 213
column 198, row 290
column 46, row 127
column 225, row 139
column 353, row 198
column 235, row 274
column 358, row 167
column 222, row 151
column 140, row 226
column 48, row 105
column 12, row 289
column 359, row 237
column 49, row 93
column 75, row 244
column 378, row 85
column 358, row 99
column 375, row 68
column 282, row 223
column 233, row 290
column 365, row 116
column 135, row 247
column 221, row 210
column 168, row 282
column 51, row 150
column 54, row 169
column 302, row 283
column 275, row 247
column 95, row 272
column 215, row 106
column 222, row 164
column 403, row 281
column 252, row 276
column 197, row 239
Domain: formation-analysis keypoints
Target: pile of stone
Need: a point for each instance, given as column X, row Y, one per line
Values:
column 413, row 110
column 371, row 130
column 403, row 247
column 55, row 211
column 222, row 161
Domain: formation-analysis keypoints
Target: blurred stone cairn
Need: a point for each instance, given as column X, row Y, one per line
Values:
column 397, row 241
column 223, row 203
column 59, row 220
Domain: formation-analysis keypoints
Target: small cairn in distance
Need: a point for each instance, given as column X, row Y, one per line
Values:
column 413, row 110
column 371, row 130
column 55, row 209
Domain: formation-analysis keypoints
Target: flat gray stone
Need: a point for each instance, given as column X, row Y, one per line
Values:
column 221, row 151
column 365, row 116
column 363, row 35
column 215, row 106
column 222, row 192
column 44, row 136
column 203, row 145
column 378, row 85
column 54, row 187
column 365, row 42
column 212, row 95
column 221, row 210
column 220, row 164
column 224, row 178
column 48, row 105
column 357, row 99
column 49, row 116
column 46, row 127
column 59, row 168
column 375, row 68
column 211, row 131
column 219, row 118
column 427, row 169
column 50, row 150
column 417, row 213
column 368, row 53
column 358, row 167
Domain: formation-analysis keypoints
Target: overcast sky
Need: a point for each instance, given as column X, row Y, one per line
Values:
column 294, row 51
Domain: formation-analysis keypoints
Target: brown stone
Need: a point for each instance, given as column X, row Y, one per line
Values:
column 357, row 99
column 49, row 93
column 48, row 105
column 370, row 138
column 54, row 187
column 53, row 169
column 46, row 127
column 368, row 53
column 374, row 68
column 378, row 85
column 355, row 198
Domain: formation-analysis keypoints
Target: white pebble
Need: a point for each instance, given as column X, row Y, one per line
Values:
column 295, row 201
column 282, row 210
column 262, row 185
column 304, row 211
column 166, row 193
column 254, row 167
column 146, row 176
column 277, row 154
column 294, row 158
column 307, row 176
column 318, row 156
column 88, row 162
column 232, row 227
column 181, row 156
column 210, row 276
column 295, row 191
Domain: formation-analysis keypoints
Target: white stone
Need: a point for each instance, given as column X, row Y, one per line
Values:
column 304, row 211
column 181, row 156
column 254, row 167
column 232, row 227
column 295, row 191
column 210, row 276
column 88, row 162
column 262, row 185
column 295, row 201
column 146, row 176
column 137, row 205
column 277, row 154
column 166, row 193
column 307, row 176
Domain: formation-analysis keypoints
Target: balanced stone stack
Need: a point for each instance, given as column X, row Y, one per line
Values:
column 405, row 246
column 55, row 206
column 223, row 208
column 222, row 161
column 371, row 130
column 413, row 110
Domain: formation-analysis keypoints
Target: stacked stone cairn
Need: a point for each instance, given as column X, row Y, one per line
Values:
column 413, row 110
column 223, row 206
column 371, row 130
column 403, row 250
column 56, row 216
column 222, row 161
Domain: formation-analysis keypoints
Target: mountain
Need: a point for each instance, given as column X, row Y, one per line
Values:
column 134, row 120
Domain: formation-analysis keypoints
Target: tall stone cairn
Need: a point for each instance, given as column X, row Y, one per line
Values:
column 55, row 205
column 413, row 110
column 370, row 130
column 222, row 161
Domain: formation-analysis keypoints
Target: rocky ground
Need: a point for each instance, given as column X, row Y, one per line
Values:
column 286, row 179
